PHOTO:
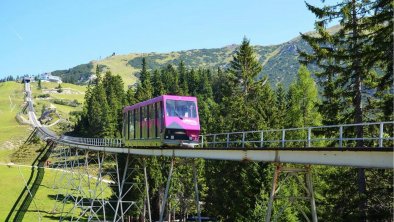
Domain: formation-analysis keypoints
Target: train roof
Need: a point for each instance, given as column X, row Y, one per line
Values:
column 158, row 99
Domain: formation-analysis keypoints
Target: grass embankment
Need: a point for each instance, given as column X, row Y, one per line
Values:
column 14, row 178
column 11, row 133
column 69, row 93
column 44, row 202
column 43, row 183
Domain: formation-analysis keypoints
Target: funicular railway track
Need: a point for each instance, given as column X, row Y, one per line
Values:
column 276, row 146
column 231, row 147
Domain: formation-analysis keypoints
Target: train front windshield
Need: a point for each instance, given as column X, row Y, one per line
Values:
column 181, row 109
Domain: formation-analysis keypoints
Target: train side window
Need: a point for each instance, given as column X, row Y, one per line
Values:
column 157, row 108
column 152, row 125
column 144, row 122
column 128, row 124
column 147, row 121
column 132, row 129
column 124, row 125
column 133, row 136
column 160, row 120
column 137, row 123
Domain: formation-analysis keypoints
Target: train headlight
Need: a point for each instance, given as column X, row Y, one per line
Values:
column 190, row 138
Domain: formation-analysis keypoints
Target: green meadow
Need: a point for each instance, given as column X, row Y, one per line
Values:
column 44, row 206
column 11, row 133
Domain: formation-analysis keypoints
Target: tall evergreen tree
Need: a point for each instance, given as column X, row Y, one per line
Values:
column 280, row 107
column 205, row 87
column 113, row 86
column 348, row 58
column 245, row 68
column 221, row 86
column 303, row 101
column 183, row 78
column 144, row 89
column 158, row 88
column 192, row 80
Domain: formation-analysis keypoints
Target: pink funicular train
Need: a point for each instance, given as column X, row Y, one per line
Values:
column 162, row 121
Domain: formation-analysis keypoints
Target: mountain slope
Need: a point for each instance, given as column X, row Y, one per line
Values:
column 280, row 62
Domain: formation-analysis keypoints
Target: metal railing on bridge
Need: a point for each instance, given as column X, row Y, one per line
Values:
column 99, row 142
column 380, row 134
column 47, row 134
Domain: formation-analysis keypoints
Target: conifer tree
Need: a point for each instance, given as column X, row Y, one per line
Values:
column 98, row 113
column 158, row 88
column 193, row 80
column 205, row 88
column 113, row 86
column 245, row 68
column 144, row 75
column 183, row 78
column 280, row 107
column 144, row 89
column 348, row 58
column 173, row 80
column 303, row 101
column 130, row 96
column 222, row 86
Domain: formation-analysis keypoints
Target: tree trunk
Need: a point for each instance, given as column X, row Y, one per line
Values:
column 358, row 112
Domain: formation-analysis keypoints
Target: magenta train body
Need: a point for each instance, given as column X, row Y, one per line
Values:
column 162, row 121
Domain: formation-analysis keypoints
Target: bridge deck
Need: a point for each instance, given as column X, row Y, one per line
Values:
column 355, row 157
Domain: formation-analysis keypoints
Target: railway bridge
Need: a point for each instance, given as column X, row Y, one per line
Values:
column 114, row 163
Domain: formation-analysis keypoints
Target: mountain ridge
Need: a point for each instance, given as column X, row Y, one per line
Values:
column 280, row 61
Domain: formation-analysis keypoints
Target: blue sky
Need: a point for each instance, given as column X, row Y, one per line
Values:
column 46, row 35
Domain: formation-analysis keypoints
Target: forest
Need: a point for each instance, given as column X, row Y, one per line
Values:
column 354, row 84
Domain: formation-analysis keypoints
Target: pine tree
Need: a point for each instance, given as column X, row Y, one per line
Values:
column 245, row 68
column 348, row 58
column 205, row 88
column 183, row 79
column 380, row 30
column 144, row 74
column 113, row 86
column 193, row 80
column 158, row 88
column 145, row 89
column 303, row 101
column 221, row 86
column 280, row 107
column 130, row 96
column 98, row 74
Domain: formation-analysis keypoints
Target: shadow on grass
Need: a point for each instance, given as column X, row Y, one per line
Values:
column 25, row 198
column 84, row 204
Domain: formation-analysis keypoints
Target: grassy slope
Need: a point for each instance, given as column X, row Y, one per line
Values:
column 43, row 202
column 118, row 66
column 11, row 133
column 11, row 185
column 12, row 181
column 213, row 58
column 78, row 94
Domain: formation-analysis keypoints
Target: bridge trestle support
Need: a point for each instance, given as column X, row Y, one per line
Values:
column 303, row 178
column 85, row 177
